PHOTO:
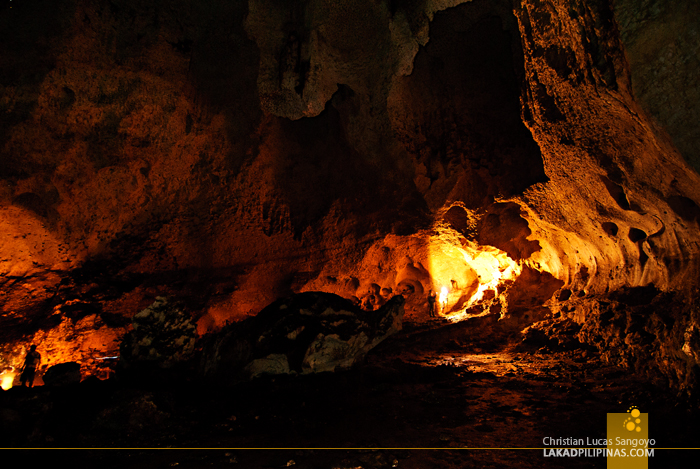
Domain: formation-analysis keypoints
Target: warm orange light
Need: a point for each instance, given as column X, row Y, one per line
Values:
column 7, row 377
column 471, row 269
column 443, row 298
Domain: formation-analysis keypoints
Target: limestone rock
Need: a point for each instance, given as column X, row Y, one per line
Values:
column 162, row 335
column 310, row 332
column 230, row 153
column 646, row 330
column 557, row 334
column 661, row 39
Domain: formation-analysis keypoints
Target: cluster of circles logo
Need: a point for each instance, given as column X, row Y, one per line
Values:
column 632, row 423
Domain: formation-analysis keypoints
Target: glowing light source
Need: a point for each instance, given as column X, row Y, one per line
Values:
column 443, row 298
column 7, row 377
column 470, row 268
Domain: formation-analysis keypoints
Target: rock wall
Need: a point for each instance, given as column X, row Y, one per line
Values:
column 231, row 153
column 662, row 43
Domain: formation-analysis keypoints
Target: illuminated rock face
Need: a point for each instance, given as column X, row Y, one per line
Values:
column 230, row 153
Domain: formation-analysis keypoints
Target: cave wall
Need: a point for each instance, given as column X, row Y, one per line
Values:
column 229, row 153
column 630, row 265
column 662, row 44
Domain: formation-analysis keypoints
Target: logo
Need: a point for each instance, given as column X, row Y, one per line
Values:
column 634, row 421
column 628, row 445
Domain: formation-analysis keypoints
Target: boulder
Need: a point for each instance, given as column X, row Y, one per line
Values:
column 307, row 333
column 62, row 374
column 556, row 333
column 163, row 336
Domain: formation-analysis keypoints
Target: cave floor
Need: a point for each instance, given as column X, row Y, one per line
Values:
column 417, row 401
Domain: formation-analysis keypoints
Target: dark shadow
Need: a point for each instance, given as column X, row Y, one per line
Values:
column 223, row 73
column 617, row 193
column 31, row 34
column 325, row 169
column 684, row 207
column 505, row 228
column 610, row 228
column 31, row 202
column 467, row 117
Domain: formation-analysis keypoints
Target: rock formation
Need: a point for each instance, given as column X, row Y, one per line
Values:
column 311, row 332
column 163, row 336
column 232, row 153
column 62, row 374
column 663, row 51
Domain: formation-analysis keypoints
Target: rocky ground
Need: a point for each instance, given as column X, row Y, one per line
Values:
column 416, row 402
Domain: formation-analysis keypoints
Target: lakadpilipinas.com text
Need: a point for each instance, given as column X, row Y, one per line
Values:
column 593, row 447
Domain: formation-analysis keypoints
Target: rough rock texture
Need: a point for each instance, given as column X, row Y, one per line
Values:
column 651, row 332
column 558, row 334
column 662, row 42
column 72, row 333
column 307, row 333
column 163, row 336
column 232, row 153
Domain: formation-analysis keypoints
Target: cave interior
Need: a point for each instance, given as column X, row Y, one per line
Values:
column 393, row 229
